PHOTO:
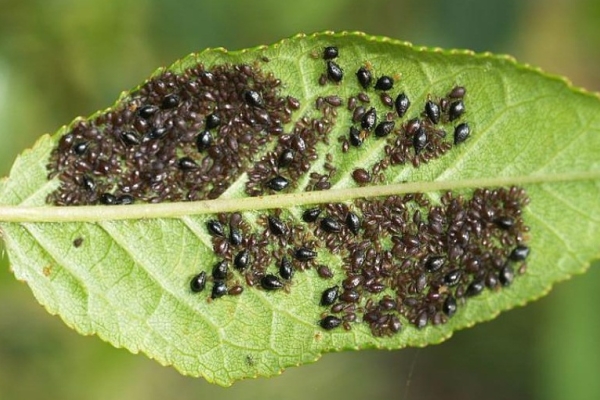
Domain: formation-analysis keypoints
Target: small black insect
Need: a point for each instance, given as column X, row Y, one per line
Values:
column 125, row 199
column 157, row 133
column 506, row 275
column 235, row 236
column 384, row 128
column 276, row 226
column 329, row 296
column 361, row 176
column 334, row 72
column 369, row 119
column 364, row 77
column 452, row 278
column 198, row 282
column 203, row 140
column 434, row 263
column 78, row 242
column 270, row 282
column 170, row 101
column 88, row 183
column 420, row 140
column 130, row 138
column 242, row 259
column 449, row 308
column 215, row 228
column 235, row 290
column 504, row 222
column 147, row 111
column 186, row 163
column 324, row 272
column 402, row 104
column 386, row 99
column 286, row 269
column 108, row 199
column 457, row 92
column 353, row 222
column 461, row 133
column 330, row 52
column 519, row 253
column 285, row 158
column 330, row 225
column 330, row 322
column 384, row 83
column 80, row 148
column 456, row 109
column 304, row 254
column 253, row 98
column 350, row 296
column 475, row 288
column 278, row 183
column 219, row 271
column 212, row 121
column 433, row 111
column 311, row 214
column 219, row 289
column 355, row 137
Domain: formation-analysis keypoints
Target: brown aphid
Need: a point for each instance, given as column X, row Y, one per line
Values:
column 361, row 176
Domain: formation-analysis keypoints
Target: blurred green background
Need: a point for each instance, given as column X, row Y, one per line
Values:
column 63, row 58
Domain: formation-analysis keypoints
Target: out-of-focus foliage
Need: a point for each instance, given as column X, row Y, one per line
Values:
column 64, row 58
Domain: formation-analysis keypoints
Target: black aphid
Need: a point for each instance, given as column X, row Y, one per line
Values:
column 384, row 83
column 311, row 214
column 88, row 183
column 449, row 308
column 212, row 121
column 241, row 260
column 203, row 140
column 329, row 296
column 219, row 289
column 286, row 269
column 304, row 254
column 219, row 271
column 330, row 52
column 506, row 275
column 198, row 282
column 235, row 236
column 364, row 77
column 361, row 176
column 334, row 72
column 78, row 242
column 519, row 253
column 324, row 272
column 452, row 278
column 330, row 225
column 215, row 228
column 402, row 104
column 353, row 222
column 420, row 140
column 434, row 263
column 330, row 322
column 285, row 158
column 108, row 199
column 276, row 226
column 80, row 148
column 384, row 128
column 504, row 222
column 355, row 137
column 461, row 133
column 170, row 101
column 475, row 288
column 270, row 282
column 157, row 133
column 147, row 111
column 433, row 111
column 125, row 199
column 457, row 92
column 456, row 109
column 278, row 183
column 186, row 163
column 253, row 98
column 369, row 119
column 130, row 138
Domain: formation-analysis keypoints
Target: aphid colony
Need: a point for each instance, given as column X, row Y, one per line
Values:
column 401, row 258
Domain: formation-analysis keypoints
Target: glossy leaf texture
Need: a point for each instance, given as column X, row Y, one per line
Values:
column 282, row 145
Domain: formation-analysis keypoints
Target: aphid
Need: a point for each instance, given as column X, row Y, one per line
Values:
column 384, row 83
column 278, row 183
column 286, row 269
column 433, row 111
column 457, row 92
column 422, row 319
column 78, row 242
column 506, row 275
column 452, row 278
column 219, row 271
column 434, row 263
column 364, row 77
column 285, row 158
column 420, row 140
column 330, row 52
column 353, row 222
column 352, row 281
column 215, row 228
column 304, row 254
column 80, row 148
column 241, row 260
column 254, row 99
column 334, row 101
column 212, row 121
column 363, row 97
column 125, row 199
column 475, row 288
column 334, row 72
column 324, row 272
column 361, row 176
column 386, row 99
column 384, row 128
column 456, row 109
column 170, row 101
column 270, row 282
column 329, row 296
column 369, row 119
column 276, row 226
column 186, row 163
column 311, row 214
column 203, row 140
column 504, row 222
column 402, row 104
column 88, row 183
column 413, row 126
column 198, row 282
column 130, row 138
column 147, row 111
column 449, row 308
column 235, row 290
column 108, row 199
column 330, row 322
column 350, row 296
column 461, row 133
column 330, row 225
column 157, row 133
column 519, row 253
column 235, row 236
column 219, row 289
column 356, row 139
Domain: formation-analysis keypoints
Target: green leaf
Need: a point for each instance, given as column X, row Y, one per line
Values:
column 123, row 272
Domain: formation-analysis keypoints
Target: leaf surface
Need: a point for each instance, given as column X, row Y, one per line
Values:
column 127, row 279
